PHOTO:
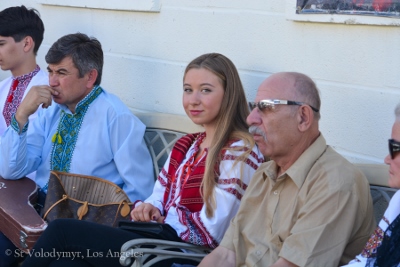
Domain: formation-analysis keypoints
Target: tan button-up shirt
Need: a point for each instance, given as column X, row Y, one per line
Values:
column 318, row 213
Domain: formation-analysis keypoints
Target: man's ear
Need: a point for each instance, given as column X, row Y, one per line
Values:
column 28, row 44
column 91, row 76
column 305, row 117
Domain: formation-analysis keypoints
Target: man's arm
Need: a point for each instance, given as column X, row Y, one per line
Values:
column 221, row 257
column 131, row 156
column 18, row 158
column 36, row 97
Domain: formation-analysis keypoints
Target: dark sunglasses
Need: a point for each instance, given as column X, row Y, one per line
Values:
column 270, row 104
column 394, row 147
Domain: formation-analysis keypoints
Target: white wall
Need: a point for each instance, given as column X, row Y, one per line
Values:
column 357, row 67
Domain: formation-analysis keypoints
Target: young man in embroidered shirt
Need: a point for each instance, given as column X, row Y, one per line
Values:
column 86, row 131
column 21, row 34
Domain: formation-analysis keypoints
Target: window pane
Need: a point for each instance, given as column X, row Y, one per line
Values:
column 387, row 8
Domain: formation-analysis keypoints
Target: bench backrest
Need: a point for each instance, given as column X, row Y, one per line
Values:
column 162, row 131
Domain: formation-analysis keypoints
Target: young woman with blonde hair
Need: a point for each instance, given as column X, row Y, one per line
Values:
column 200, row 187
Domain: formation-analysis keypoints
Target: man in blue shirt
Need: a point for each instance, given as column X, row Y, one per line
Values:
column 82, row 129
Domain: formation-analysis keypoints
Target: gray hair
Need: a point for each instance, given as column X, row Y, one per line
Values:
column 307, row 90
column 86, row 53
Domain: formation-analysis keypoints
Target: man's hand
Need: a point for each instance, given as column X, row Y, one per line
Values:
column 146, row 212
column 38, row 95
column 221, row 257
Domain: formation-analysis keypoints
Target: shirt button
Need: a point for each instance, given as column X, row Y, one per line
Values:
column 275, row 192
column 258, row 253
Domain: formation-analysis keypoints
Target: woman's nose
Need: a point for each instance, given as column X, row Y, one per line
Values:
column 387, row 160
column 194, row 98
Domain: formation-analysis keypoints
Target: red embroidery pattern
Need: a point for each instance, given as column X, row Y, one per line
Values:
column 191, row 175
column 233, row 191
column 9, row 107
column 373, row 243
column 255, row 156
column 196, row 233
column 16, row 93
column 190, row 202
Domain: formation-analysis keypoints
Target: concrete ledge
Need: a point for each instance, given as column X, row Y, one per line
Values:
column 136, row 5
column 377, row 174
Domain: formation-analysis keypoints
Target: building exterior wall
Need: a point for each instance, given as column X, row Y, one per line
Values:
column 356, row 66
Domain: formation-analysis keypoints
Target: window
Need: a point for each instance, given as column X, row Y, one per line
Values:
column 345, row 11
column 385, row 8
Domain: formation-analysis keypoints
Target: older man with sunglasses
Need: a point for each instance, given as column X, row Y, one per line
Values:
column 308, row 206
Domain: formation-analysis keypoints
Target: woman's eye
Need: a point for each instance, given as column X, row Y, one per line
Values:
column 187, row 90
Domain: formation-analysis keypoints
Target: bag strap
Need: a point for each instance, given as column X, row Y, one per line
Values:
column 64, row 197
column 123, row 209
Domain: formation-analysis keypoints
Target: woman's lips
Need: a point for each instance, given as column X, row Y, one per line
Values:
column 195, row 112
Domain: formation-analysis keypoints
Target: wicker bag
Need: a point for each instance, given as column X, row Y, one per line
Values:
column 85, row 198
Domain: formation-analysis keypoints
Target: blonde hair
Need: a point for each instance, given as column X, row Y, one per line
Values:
column 231, row 121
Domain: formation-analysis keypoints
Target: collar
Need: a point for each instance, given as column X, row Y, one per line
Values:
column 301, row 167
column 86, row 101
column 29, row 75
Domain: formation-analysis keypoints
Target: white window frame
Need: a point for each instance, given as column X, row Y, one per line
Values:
column 337, row 18
column 128, row 5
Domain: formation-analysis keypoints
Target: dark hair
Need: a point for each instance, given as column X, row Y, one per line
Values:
column 85, row 52
column 18, row 22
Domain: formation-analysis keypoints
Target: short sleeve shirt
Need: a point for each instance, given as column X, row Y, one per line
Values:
column 318, row 213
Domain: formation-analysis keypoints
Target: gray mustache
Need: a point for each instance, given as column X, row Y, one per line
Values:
column 255, row 130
